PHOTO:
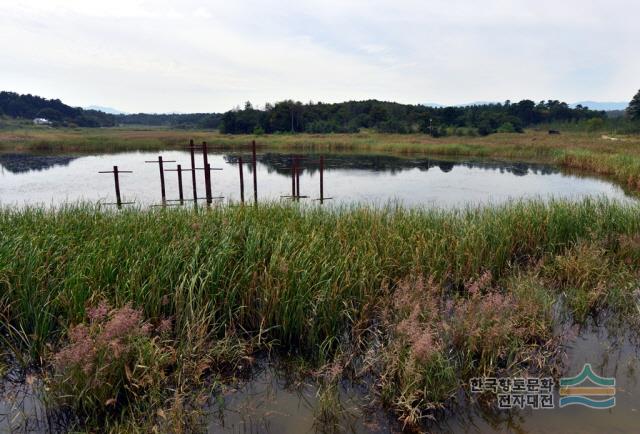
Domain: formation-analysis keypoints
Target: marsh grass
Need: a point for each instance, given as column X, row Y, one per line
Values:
column 418, row 301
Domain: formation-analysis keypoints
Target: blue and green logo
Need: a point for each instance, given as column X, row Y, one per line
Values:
column 572, row 393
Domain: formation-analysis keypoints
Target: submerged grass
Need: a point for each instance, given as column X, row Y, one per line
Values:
column 426, row 298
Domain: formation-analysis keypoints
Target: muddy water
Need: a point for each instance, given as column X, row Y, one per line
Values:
column 271, row 402
column 611, row 355
column 348, row 178
column 22, row 409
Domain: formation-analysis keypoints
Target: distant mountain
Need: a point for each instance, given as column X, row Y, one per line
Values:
column 108, row 110
column 433, row 104
column 593, row 105
column 467, row 104
column 470, row 104
column 606, row 106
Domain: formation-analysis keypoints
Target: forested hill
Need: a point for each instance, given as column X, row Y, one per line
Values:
column 54, row 110
column 291, row 116
column 352, row 116
column 31, row 107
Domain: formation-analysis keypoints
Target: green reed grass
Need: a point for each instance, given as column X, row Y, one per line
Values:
column 302, row 278
column 303, row 273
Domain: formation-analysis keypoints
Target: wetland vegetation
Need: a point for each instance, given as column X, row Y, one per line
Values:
column 412, row 302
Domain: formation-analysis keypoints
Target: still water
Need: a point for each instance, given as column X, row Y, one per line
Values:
column 271, row 402
column 348, row 178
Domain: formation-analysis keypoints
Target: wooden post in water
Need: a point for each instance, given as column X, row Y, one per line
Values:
column 207, row 170
column 255, row 173
column 207, row 173
column 241, row 179
column 293, row 176
column 117, row 182
column 321, row 179
column 298, row 179
column 180, row 184
column 193, row 172
column 162, row 189
column 160, row 163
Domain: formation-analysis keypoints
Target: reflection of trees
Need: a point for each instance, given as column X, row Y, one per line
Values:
column 20, row 163
column 281, row 163
column 445, row 166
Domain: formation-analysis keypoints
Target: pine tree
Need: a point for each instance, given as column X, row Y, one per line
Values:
column 634, row 107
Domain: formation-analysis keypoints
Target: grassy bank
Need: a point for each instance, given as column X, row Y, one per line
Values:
column 617, row 159
column 417, row 301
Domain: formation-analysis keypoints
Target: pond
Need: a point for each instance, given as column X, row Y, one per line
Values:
column 27, row 179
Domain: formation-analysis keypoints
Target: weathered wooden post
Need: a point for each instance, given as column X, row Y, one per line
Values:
column 192, row 149
column 207, row 170
column 181, row 196
column 241, row 179
column 116, row 181
column 255, row 173
column 160, row 163
column 293, row 176
column 207, row 173
column 298, row 179
column 321, row 179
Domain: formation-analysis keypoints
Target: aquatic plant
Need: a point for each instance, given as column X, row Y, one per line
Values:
column 112, row 363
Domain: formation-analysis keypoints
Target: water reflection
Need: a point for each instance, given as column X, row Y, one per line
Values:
column 348, row 178
column 281, row 163
column 20, row 163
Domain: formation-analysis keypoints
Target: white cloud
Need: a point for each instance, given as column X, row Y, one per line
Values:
column 209, row 56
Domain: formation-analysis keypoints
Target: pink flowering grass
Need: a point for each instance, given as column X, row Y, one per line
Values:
column 110, row 363
column 438, row 341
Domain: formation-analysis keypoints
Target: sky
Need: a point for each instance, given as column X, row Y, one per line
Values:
column 210, row 56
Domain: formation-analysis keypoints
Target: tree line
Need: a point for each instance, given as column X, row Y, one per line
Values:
column 390, row 117
column 60, row 114
column 346, row 117
column 205, row 121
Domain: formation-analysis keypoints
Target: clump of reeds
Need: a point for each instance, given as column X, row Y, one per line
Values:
column 437, row 340
column 116, row 361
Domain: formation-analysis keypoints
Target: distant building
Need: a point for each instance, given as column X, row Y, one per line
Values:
column 41, row 121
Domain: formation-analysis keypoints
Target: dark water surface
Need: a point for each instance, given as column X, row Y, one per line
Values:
column 272, row 402
column 348, row 178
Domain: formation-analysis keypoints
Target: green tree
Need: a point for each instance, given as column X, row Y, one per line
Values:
column 634, row 108
column 507, row 127
column 595, row 124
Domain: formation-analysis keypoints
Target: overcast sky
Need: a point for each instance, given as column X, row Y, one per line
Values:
column 189, row 55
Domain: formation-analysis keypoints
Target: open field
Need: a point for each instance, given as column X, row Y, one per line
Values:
column 617, row 159
column 414, row 302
